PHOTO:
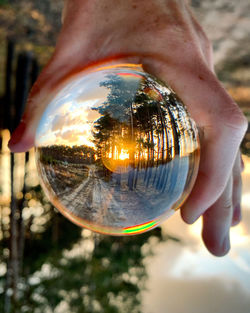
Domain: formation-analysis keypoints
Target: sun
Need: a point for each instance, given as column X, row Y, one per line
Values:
column 123, row 155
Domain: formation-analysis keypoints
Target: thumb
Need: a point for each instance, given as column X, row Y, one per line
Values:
column 22, row 139
column 57, row 72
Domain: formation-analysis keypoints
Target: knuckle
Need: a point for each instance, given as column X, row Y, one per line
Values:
column 226, row 207
column 237, row 181
column 235, row 120
column 205, row 41
column 202, row 36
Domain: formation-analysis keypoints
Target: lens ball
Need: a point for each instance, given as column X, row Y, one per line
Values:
column 116, row 150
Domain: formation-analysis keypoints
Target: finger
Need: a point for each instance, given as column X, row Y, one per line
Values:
column 237, row 190
column 224, row 126
column 217, row 221
column 22, row 138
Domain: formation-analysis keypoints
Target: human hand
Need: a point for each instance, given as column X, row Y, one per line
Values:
column 166, row 39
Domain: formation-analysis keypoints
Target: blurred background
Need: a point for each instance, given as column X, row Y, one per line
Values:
column 47, row 264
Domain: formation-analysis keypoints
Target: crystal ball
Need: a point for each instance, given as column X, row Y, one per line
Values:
column 116, row 150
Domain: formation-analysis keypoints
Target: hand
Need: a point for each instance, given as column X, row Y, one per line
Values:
column 166, row 39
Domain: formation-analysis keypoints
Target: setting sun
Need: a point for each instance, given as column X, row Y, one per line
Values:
column 123, row 155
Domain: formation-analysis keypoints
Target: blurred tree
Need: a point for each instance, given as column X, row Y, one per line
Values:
column 93, row 273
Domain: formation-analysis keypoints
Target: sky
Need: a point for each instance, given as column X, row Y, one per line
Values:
column 186, row 278
column 68, row 120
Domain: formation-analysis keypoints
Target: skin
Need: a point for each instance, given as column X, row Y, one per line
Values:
column 163, row 36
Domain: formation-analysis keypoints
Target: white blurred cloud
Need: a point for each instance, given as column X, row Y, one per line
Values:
column 184, row 277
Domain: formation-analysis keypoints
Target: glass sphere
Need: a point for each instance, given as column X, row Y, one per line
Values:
column 116, row 150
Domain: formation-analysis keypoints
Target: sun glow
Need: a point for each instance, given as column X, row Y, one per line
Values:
column 117, row 160
column 118, row 154
column 123, row 155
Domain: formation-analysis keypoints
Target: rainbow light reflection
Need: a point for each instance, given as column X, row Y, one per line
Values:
column 141, row 228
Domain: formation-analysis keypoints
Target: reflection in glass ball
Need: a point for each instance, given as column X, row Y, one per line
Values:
column 116, row 150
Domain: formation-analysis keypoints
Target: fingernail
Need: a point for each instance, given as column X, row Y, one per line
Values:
column 226, row 244
column 187, row 216
column 17, row 134
column 236, row 215
column 190, row 219
column 194, row 218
